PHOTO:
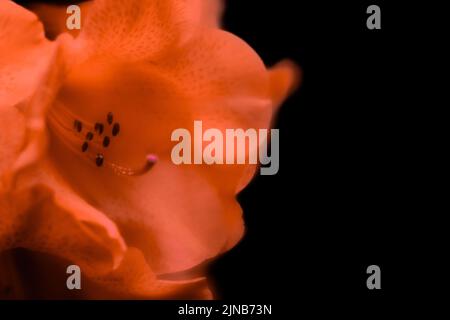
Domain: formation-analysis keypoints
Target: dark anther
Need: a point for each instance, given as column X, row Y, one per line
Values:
column 84, row 147
column 115, row 129
column 99, row 160
column 89, row 136
column 77, row 125
column 106, row 141
column 110, row 118
column 99, row 128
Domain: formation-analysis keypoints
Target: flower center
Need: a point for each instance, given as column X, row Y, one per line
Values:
column 93, row 140
column 115, row 115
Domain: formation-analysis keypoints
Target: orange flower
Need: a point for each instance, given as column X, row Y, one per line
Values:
column 86, row 173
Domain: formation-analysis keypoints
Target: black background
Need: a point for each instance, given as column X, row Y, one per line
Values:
column 313, row 229
column 345, row 188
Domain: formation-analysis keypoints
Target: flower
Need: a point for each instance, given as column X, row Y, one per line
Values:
column 86, row 174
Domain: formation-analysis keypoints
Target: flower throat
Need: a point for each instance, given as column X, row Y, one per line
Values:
column 93, row 140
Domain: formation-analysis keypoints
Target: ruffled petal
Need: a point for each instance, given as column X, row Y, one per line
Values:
column 215, row 78
column 179, row 216
column 140, row 29
column 24, row 60
column 217, row 67
column 38, row 217
column 54, row 17
column 44, row 215
column 173, row 214
column 135, row 280
column 24, row 53
column 25, row 275
column 229, row 87
column 33, row 112
column 284, row 77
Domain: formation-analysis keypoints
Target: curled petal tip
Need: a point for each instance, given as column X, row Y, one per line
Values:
column 292, row 72
column 285, row 78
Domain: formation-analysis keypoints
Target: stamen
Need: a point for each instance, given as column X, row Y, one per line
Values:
column 151, row 160
column 77, row 125
column 99, row 128
column 106, row 141
column 99, row 160
column 110, row 118
column 92, row 149
column 89, row 136
column 116, row 129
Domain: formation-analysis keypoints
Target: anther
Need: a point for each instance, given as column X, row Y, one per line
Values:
column 89, row 136
column 99, row 128
column 116, row 129
column 106, row 141
column 84, row 147
column 110, row 118
column 99, row 160
column 61, row 121
column 77, row 125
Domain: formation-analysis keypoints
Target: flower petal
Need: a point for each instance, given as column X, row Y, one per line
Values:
column 178, row 216
column 173, row 214
column 24, row 53
column 139, row 29
column 212, row 13
column 215, row 78
column 44, row 215
column 135, row 280
column 24, row 58
column 12, row 123
column 34, row 110
column 229, row 88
